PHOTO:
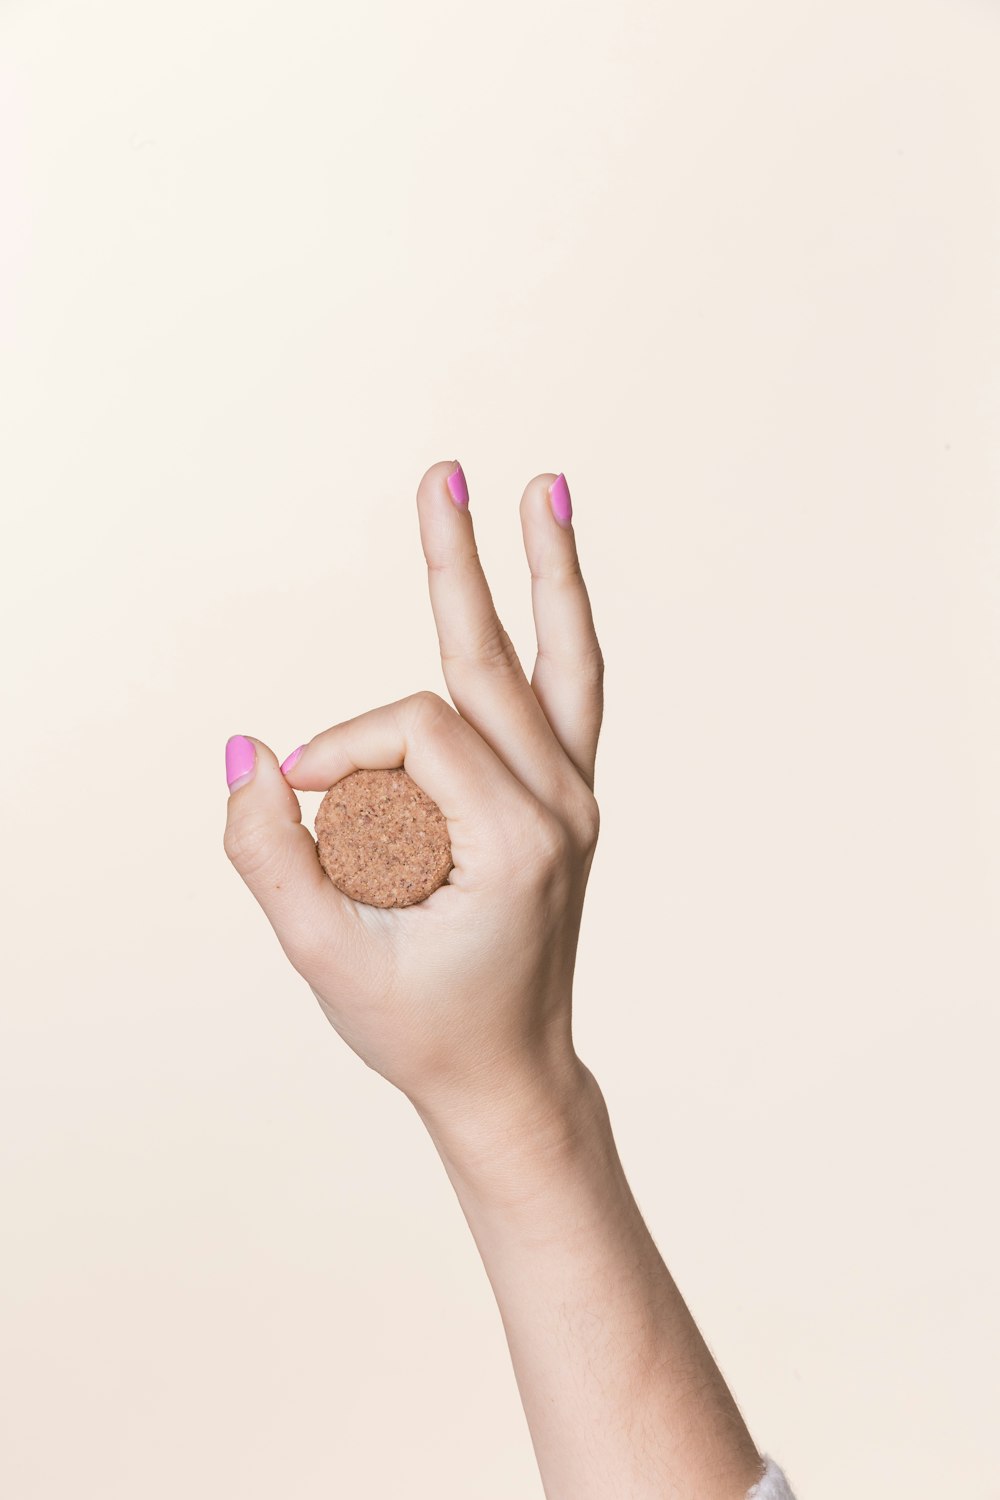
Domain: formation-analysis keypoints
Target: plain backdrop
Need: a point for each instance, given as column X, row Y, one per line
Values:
column 732, row 267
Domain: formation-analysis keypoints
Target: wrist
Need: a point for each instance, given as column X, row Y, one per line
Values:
column 509, row 1142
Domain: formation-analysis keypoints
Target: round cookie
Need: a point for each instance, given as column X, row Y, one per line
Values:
column 381, row 839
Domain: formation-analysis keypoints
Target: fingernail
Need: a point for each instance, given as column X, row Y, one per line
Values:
column 458, row 487
column 562, row 505
column 291, row 760
column 241, row 761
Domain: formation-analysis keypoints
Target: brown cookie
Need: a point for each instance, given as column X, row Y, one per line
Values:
column 381, row 839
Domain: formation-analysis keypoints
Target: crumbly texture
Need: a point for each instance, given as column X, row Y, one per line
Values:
column 381, row 839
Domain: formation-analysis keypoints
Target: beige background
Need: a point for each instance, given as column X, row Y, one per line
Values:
column 732, row 266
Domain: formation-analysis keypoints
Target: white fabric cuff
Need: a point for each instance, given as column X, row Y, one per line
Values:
column 772, row 1484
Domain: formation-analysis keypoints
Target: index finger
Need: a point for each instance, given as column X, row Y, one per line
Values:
column 446, row 758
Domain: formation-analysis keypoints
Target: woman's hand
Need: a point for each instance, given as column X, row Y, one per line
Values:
column 463, row 1000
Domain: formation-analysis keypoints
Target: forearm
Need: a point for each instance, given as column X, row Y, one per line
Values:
column 620, row 1392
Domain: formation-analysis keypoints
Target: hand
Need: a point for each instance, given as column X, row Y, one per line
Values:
column 466, row 996
column 463, row 1001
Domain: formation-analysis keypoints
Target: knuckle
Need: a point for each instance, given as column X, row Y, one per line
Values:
column 584, row 667
column 492, row 649
column 564, row 570
column 586, row 822
column 549, row 842
column 428, row 709
column 426, row 700
column 466, row 561
column 247, row 847
column 592, row 664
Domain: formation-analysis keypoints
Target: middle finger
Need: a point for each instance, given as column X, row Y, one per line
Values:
column 484, row 675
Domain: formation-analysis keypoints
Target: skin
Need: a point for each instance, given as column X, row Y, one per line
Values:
column 464, row 1003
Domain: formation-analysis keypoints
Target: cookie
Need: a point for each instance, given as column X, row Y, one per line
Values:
column 381, row 839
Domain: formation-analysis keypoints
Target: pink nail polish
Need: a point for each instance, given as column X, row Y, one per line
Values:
column 291, row 760
column 458, row 487
column 241, row 761
column 562, row 505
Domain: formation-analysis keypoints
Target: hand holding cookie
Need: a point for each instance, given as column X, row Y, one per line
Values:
column 436, row 914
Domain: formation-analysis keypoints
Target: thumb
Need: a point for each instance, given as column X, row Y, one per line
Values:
column 276, row 856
